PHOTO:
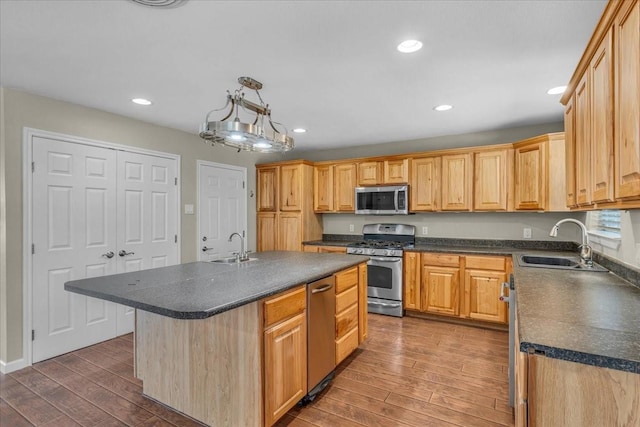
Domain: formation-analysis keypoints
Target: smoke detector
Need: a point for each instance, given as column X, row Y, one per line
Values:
column 161, row 3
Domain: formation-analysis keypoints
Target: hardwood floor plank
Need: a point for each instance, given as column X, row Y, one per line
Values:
column 11, row 417
column 123, row 369
column 438, row 412
column 28, row 404
column 110, row 402
column 156, row 422
column 291, row 421
column 488, row 414
column 503, row 406
column 72, row 405
column 317, row 417
column 64, row 421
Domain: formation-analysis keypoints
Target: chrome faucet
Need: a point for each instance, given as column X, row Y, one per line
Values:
column 243, row 255
column 585, row 249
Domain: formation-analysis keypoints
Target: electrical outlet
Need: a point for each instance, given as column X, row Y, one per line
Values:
column 425, row 230
column 526, row 233
column 188, row 209
column 351, row 228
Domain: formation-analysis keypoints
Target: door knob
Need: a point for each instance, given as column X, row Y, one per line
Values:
column 125, row 253
column 109, row 254
column 205, row 249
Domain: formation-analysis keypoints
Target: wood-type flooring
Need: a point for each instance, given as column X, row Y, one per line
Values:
column 410, row 372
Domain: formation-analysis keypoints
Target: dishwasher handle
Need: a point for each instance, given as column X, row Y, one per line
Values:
column 324, row 288
column 504, row 297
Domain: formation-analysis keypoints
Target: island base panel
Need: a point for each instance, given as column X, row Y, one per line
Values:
column 208, row 368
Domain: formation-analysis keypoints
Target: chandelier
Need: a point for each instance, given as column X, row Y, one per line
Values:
column 256, row 136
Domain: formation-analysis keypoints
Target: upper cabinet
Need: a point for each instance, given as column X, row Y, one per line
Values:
column 267, row 188
column 291, row 186
column 627, row 101
column 370, row 173
column 333, row 187
column 396, row 171
column 539, row 173
column 492, row 179
column 456, row 182
column 388, row 171
column 602, row 114
column 424, row 184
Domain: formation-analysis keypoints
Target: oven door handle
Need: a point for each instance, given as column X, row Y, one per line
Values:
column 384, row 259
column 383, row 304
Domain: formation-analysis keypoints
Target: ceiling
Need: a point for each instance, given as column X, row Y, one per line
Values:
column 328, row 66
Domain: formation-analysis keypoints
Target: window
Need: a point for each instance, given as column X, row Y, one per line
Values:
column 604, row 228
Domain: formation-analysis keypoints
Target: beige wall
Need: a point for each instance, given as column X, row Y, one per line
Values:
column 21, row 110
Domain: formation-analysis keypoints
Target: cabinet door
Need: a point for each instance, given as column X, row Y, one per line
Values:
column 291, row 187
column 482, row 290
column 601, row 72
column 289, row 231
column 267, row 231
column 627, row 95
column 332, row 249
column 441, row 290
column 323, row 188
column 285, row 372
column 412, row 269
column 396, row 171
column 456, row 182
column 344, row 185
column 267, row 189
column 363, row 319
column 583, row 141
column 369, row 173
column 425, row 180
column 490, row 170
column 570, row 146
column 530, row 173
column 310, row 248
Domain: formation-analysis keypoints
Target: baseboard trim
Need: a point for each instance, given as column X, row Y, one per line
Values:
column 16, row 365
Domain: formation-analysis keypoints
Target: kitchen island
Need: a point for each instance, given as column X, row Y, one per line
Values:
column 226, row 343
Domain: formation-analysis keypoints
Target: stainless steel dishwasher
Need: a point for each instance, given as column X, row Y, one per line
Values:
column 321, row 327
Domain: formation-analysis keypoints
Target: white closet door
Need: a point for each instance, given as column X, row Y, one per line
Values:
column 74, row 229
column 222, row 209
column 147, row 218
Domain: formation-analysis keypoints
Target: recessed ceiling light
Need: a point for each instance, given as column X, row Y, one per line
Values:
column 141, row 101
column 409, row 46
column 443, row 107
column 299, row 130
column 557, row 90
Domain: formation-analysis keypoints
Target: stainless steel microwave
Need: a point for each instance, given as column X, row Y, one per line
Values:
column 383, row 200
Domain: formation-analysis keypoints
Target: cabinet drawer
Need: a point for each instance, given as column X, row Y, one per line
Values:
column 486, row 263
column 443, row 260
column 346, row 279
column 284, row 305
column 346, row 298
column 346, row 321
column 346, row 345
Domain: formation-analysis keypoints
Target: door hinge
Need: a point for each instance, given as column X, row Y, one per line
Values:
column 33, row 335
column 243, row 185
column 175, row 180
column 175, row 239
column 33, row 167
column 33, row 249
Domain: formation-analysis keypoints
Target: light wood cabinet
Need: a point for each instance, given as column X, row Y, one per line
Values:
column 627, row 102
column 370, row 173
column 425, row 183
column 484, row 276
column 569, row 149
column 363, row 318
column 539, row 172
column 347, row 284
column 440, row 290
column 267, row 188
column 396, row 171
column 456, row 182
column 412, row 268
column 601, row 133
column 323, row 188
column 583, row 142
column 285, row 353
column 344, row 187
column 325, row 249
column 492, row 179
column 293, row 219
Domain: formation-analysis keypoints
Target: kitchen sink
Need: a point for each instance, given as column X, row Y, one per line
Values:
column 566, row 262
column 232, row 260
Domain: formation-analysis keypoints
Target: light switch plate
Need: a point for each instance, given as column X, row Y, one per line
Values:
column 188, row 209
column 351, row 228
column 425, row 231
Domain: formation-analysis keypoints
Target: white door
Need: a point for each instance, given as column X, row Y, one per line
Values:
column 147, row 218
column 74, row 236
column 222, row 209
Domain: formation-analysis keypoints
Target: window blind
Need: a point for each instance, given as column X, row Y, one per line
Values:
column 606, row 222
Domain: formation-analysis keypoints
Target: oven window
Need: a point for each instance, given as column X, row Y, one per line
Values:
column 379, row 277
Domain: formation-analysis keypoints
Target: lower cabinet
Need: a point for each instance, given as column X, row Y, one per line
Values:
column 464, row 287
column 325, row 249
column 347, row 314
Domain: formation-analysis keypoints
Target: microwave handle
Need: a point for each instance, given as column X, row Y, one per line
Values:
column 395, row 201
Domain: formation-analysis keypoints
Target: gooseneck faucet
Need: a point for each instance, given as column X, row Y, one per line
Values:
column 243, row 255
column 585, row 249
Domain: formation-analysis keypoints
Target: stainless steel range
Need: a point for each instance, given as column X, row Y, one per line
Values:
column 384, row 243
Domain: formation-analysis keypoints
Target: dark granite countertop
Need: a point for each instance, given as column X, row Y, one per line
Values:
column 199, row 290
column 580, row 316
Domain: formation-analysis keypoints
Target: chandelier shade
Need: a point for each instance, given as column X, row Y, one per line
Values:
column 256, row 136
